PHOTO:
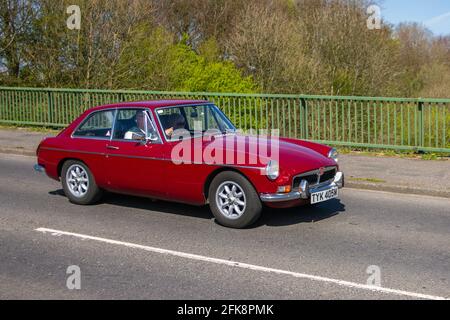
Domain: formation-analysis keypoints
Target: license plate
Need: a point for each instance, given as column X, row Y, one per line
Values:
column 324, row 195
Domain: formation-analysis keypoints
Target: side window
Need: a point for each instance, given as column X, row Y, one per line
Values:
column 191, row 116
column 202, row 114
column 211, row 118
column 171, row 119
column 98, row 124
column 133, row 124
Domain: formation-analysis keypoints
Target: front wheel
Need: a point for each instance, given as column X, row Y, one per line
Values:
column 79, row 183
column 233, row 200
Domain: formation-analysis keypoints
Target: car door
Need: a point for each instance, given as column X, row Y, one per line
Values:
column 189, row 176
column 89, row 142
column 134, row 165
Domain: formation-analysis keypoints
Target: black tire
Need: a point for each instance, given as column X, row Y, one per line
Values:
column 93, row 192
column 253, row 206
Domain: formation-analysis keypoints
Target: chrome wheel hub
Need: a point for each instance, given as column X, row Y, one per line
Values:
column 231, row 200
column 77, row 180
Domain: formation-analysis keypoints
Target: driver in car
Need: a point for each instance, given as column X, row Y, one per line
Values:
column 137, row 132
column 178, row 122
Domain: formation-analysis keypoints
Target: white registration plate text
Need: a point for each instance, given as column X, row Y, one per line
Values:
column 326, row 195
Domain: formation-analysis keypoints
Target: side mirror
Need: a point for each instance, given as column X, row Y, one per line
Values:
column 149, row 140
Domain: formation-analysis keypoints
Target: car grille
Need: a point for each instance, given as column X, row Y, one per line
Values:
column 328, row 175
column 313, row 177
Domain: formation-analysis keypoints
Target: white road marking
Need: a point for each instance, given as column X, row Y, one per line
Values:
column 244, row 265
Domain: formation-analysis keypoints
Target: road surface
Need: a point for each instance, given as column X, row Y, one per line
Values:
column 128, row 247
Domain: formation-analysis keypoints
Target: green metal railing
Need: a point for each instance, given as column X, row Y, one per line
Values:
column 386, row 123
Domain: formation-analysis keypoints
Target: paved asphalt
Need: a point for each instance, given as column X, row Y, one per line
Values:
column 406, row 236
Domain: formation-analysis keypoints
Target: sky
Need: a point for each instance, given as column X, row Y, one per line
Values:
column 434, row 14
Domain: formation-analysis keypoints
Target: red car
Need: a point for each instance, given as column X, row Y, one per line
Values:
column 186, row 151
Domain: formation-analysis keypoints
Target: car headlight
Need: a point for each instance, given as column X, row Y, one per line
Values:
column 273, row 169
column 333, row 154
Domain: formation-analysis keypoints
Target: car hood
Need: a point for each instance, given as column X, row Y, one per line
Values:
column 294, row 156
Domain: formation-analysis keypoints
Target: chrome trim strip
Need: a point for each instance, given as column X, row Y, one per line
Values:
column 149, row 158
column 234, row 166
column 185, row 105
column 91, row 138
column 149, row 113
column 338, row 181
column 322, row 183
column 135, row 157
column 280, row 197
column 74, row 151
column 105, row 154
column 113, row 125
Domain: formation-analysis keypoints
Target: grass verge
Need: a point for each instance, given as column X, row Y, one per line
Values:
column 373, row 180
column 50, row 130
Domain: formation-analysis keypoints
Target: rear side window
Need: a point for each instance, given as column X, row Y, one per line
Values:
column 98, row 124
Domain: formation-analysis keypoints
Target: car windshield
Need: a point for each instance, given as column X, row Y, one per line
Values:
column 193, row 119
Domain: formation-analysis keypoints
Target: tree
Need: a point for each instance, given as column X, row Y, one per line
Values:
column 414, row 52
column 16, row 30
column 267, row 44
column 354, row 59
column 435, row 75
column 200, row 20
column 275, row 46
column 168, row 65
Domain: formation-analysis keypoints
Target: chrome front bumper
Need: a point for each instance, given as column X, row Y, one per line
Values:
column 304, row 191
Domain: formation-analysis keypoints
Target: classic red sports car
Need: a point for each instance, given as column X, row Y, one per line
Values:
column 190, row 152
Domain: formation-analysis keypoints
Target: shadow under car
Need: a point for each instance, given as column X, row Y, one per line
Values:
column 269, row 216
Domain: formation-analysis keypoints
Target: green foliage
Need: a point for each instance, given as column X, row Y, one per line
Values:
column 342, row 82
column 147, row 49
column 193, row 72
column 168, row 65
column 430, row 156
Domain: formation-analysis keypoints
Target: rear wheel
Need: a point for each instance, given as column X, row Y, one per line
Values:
column 79, row 184
column 233, row 200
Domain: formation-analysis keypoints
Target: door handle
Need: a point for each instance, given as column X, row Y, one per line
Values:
column 112, row 148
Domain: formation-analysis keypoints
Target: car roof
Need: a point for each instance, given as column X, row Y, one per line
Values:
column 151, row 104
